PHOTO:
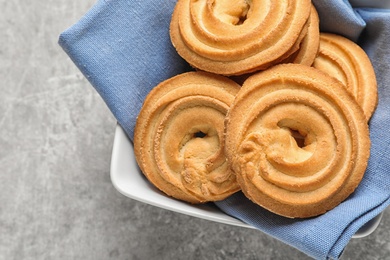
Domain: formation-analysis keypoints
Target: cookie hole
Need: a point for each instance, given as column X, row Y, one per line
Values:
column 199, row 134
column 231, row 11
column 298, row 137
column 242, row 18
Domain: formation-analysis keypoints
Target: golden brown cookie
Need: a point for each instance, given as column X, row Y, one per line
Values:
column 179, row 137
column 297, row 140
column 346, row 61
column 237, row 37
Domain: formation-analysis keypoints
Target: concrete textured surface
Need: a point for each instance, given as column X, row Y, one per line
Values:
column 56, row 134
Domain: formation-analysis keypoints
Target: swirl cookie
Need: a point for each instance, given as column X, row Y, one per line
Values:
column 297, row 140
column 179, row 137
column 237, row 37
column 346, row 61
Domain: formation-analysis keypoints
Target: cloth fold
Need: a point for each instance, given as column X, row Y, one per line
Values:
column 123, row 49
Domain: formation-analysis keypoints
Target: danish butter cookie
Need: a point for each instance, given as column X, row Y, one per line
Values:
column 179, row 137
column 297, row 140
column 240, row 36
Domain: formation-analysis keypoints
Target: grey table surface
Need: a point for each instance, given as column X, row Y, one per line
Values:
column 56, row 136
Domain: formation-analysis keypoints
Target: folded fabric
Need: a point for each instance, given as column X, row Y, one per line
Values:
column 123, row 49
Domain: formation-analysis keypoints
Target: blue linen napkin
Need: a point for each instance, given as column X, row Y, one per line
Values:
column 123, row 49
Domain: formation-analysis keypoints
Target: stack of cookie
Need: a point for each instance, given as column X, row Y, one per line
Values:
column 293, row 136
